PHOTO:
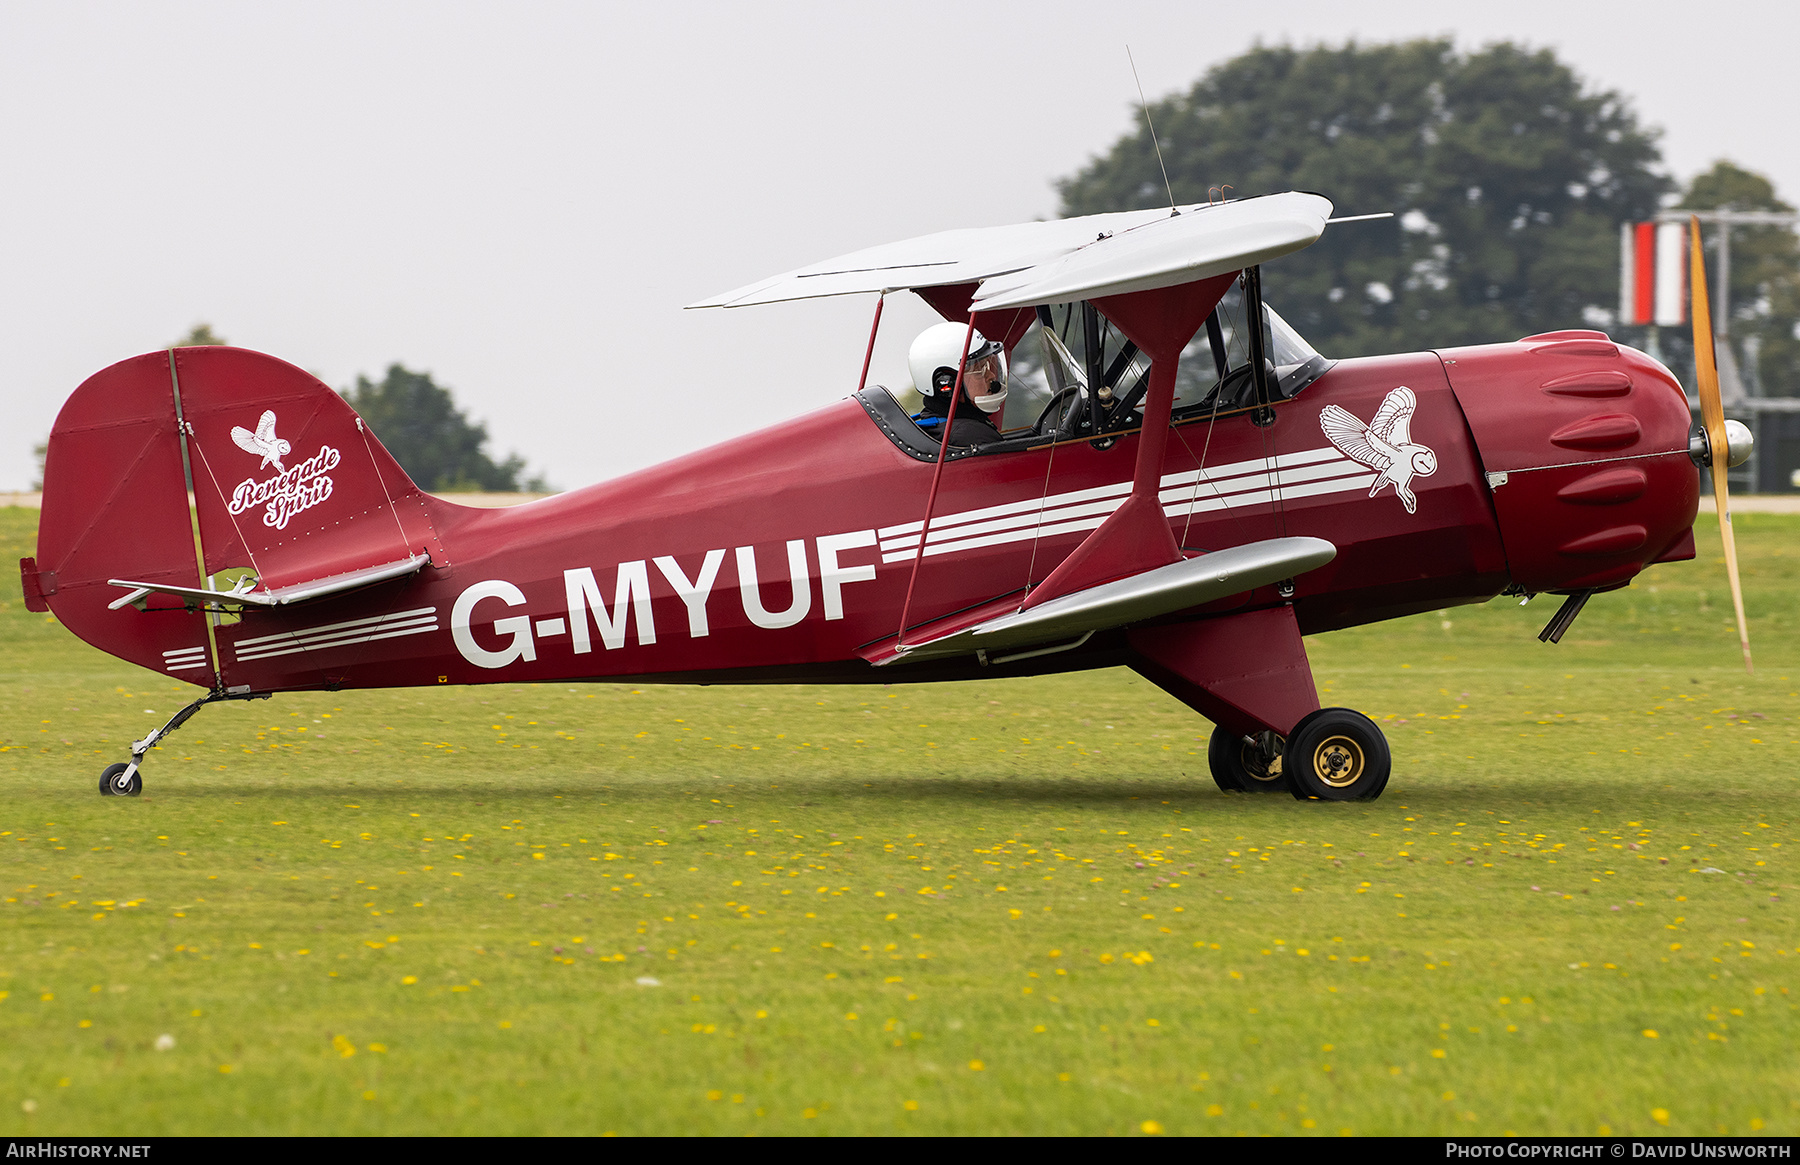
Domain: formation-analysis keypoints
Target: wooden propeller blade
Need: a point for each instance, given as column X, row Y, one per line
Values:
column 1712, row 415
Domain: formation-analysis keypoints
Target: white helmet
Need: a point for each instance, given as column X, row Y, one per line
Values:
column 933, row 357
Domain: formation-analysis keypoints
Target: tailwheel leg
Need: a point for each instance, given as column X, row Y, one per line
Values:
column 1337, row 754
column 126, row 780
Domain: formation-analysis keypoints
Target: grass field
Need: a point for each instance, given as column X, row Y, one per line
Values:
column 1005, row 907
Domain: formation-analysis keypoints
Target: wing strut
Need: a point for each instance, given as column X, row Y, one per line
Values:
column 937, row 475
column 1136, row 537
column 874, row 327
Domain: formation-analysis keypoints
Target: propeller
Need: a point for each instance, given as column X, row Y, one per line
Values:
column 1712, row 416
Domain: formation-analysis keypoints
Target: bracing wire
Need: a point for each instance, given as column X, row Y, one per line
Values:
column 1199, row 465
column 1270, row 454
column 1037, row 531
column 217, row 489
column 1200, row 475
column 1274, row 472
column 393, row 510
column 1206, row 447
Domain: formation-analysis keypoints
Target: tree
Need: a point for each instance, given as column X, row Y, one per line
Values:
column 428, row 435
column 1765, row 273
column 200, row 336
column 1507, row 175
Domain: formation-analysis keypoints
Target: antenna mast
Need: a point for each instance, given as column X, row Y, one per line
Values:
column 1152, row 125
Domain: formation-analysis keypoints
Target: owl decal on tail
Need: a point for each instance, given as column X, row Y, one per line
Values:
column 264, row 443
column 1384, row 444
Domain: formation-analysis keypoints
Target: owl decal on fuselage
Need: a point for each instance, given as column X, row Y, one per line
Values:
column 1384, row 444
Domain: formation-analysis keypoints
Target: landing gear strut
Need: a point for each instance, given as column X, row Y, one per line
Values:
column 126, row 780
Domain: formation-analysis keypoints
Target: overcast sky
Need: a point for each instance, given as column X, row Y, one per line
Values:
column 520, row 198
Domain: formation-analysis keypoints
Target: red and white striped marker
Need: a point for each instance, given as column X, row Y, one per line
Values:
column 1653, row 273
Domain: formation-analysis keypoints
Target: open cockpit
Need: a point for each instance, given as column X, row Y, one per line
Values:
column 1072, row 376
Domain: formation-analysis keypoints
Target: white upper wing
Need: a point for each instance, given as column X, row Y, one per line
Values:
column 1065, row 259
column 1172, row 250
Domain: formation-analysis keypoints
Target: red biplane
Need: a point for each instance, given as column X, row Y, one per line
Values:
column 1183, row 486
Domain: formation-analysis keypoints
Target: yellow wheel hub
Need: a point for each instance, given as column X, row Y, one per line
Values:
column 1339, row 761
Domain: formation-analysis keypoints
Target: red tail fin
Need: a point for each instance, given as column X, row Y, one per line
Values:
column 285, row 482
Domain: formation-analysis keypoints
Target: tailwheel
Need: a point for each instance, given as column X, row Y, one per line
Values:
column 1336, row 754
column 1246, row 764
column 121, row 781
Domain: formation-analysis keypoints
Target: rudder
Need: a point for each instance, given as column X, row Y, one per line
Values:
column 267, row 473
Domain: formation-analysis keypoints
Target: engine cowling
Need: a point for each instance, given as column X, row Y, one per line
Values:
column 1585, row 447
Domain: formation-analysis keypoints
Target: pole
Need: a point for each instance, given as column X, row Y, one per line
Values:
column 1724, row 317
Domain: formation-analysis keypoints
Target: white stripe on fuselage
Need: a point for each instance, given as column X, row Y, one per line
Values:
column 389, row 626
column 184, row 658
column 1234, row 486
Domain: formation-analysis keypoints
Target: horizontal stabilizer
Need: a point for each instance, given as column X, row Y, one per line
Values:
column 300, row 592
column 1176, row 587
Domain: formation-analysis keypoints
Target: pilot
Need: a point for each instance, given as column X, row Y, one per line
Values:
column 932, row 359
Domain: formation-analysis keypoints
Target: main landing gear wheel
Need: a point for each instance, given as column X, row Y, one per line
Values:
column 121, row 781
column 1336, row 754
column 1246, row 764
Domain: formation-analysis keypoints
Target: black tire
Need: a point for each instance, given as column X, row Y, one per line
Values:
column 110, row 786
column 1337, row 754
column 1237, row 765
